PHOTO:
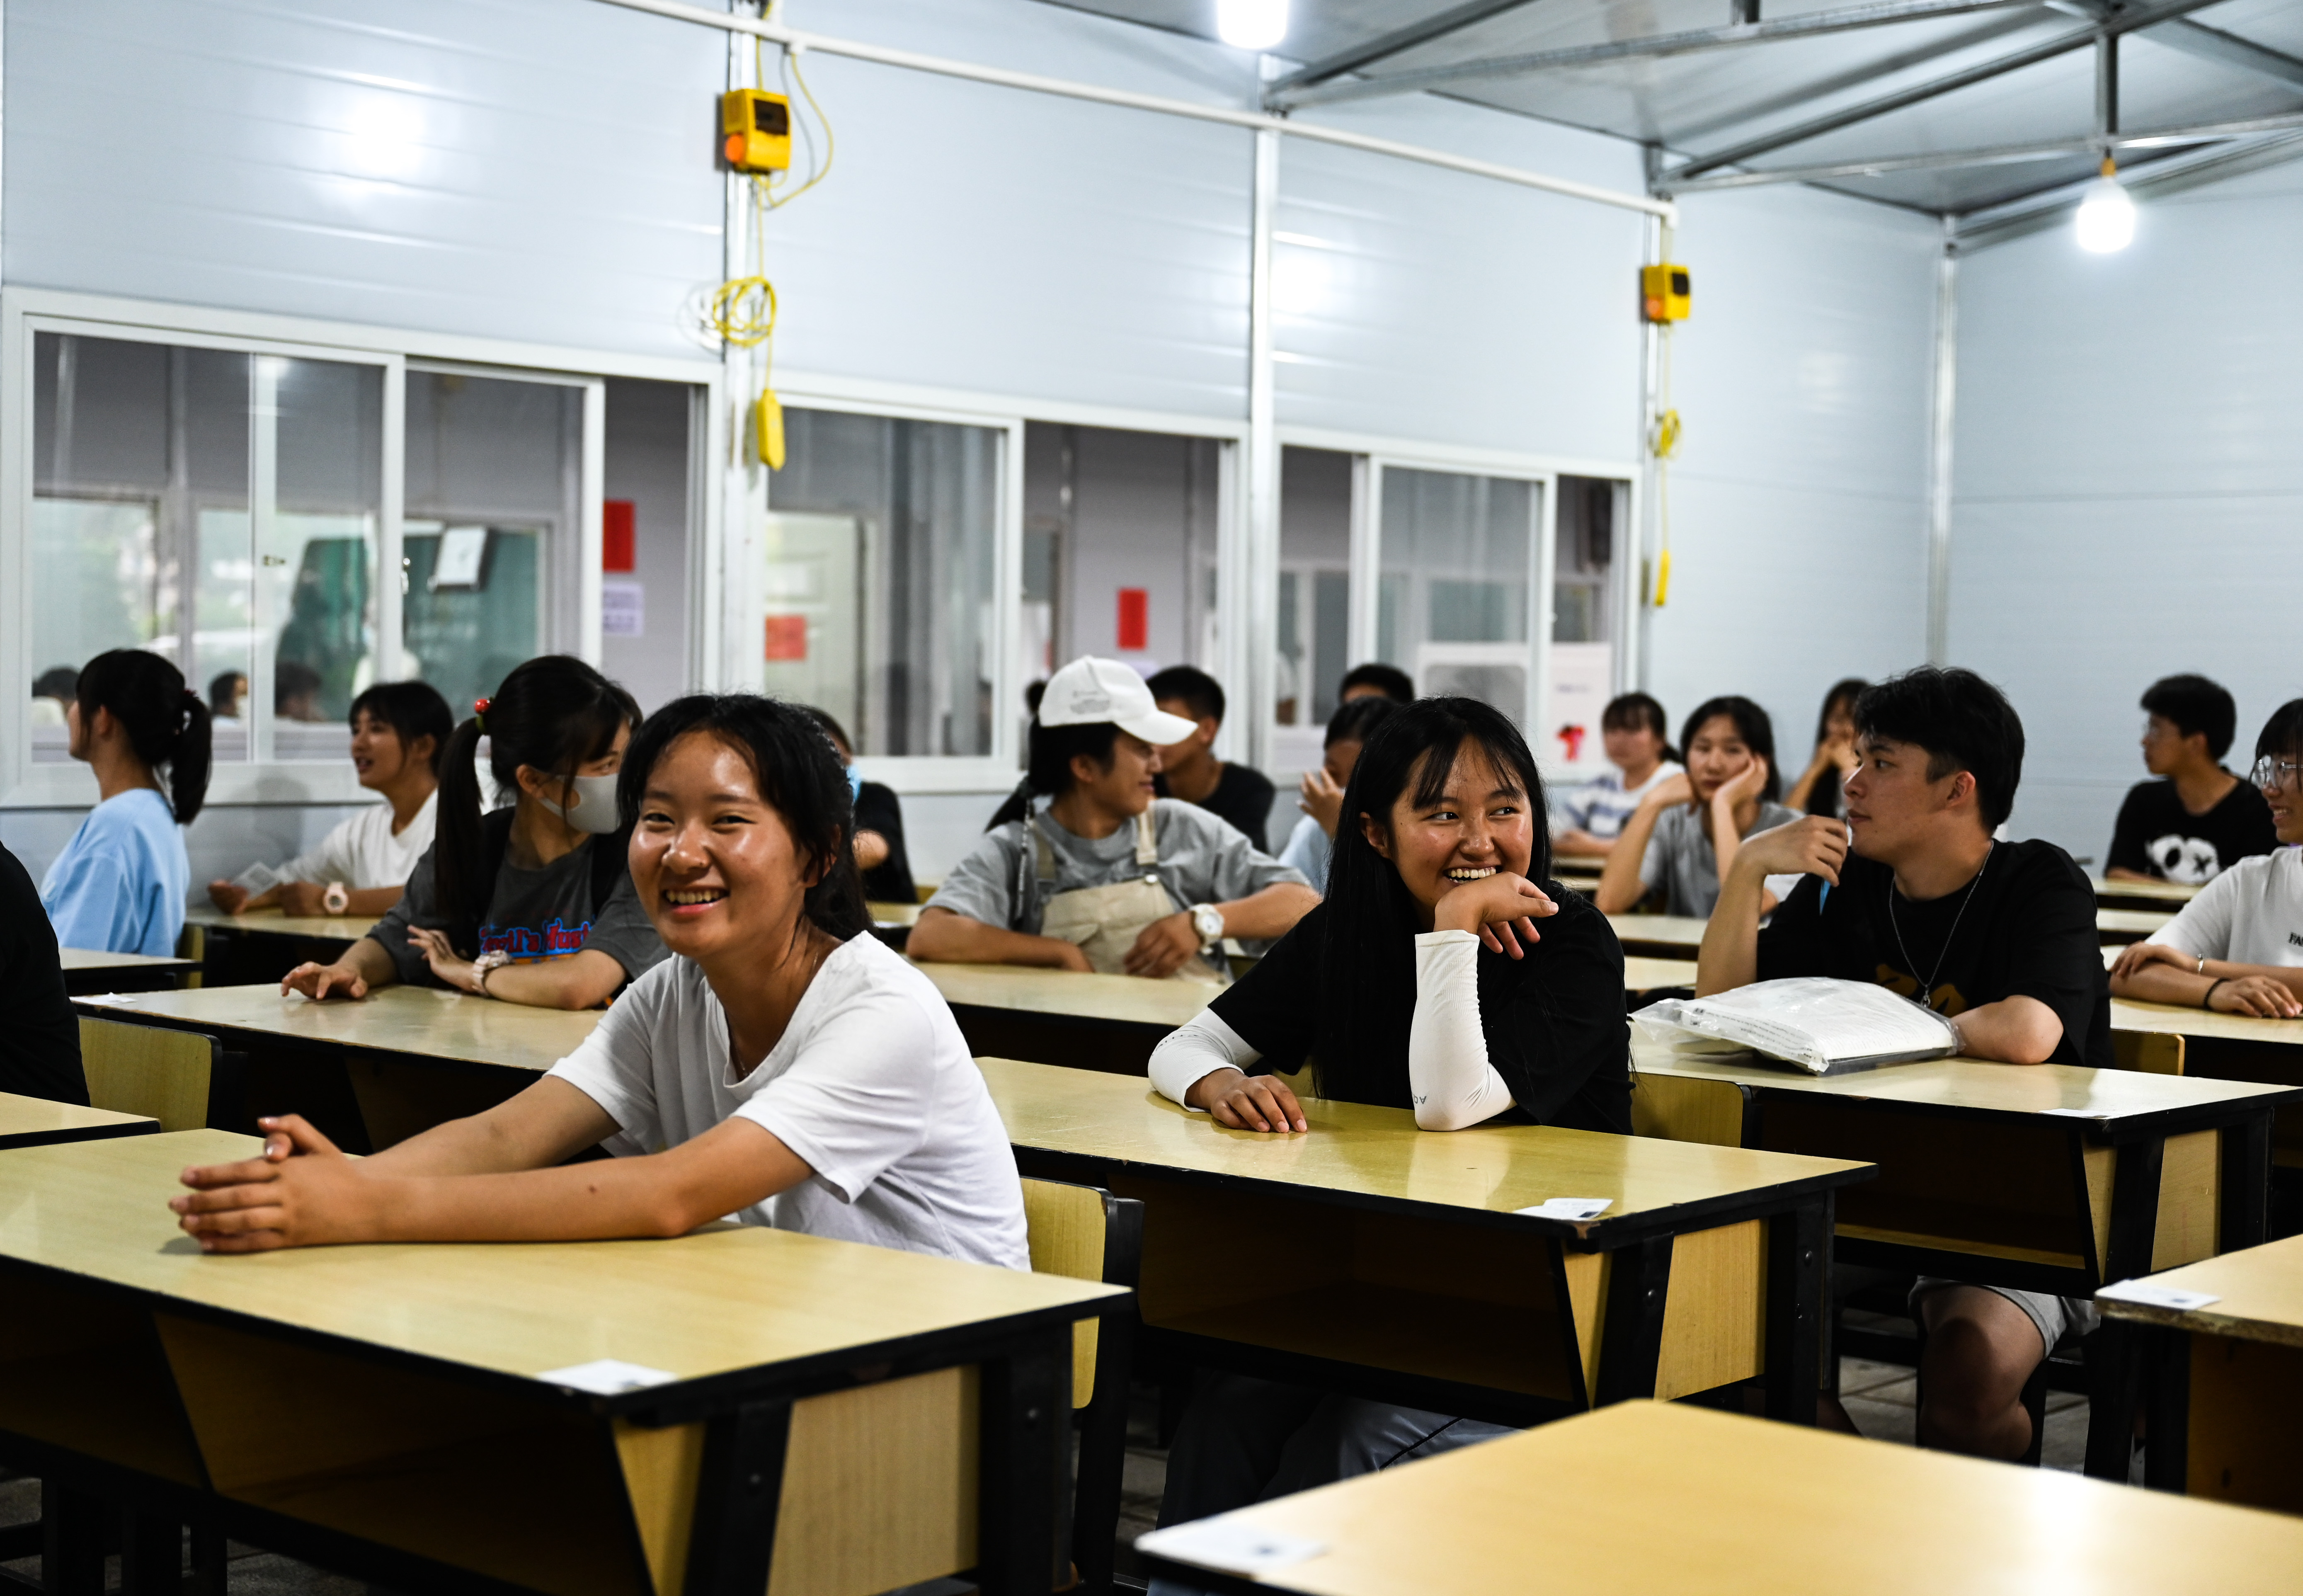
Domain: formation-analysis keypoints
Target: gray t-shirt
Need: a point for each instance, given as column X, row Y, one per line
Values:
column 532, row 915
column 1202, row 860
column 1681, row 860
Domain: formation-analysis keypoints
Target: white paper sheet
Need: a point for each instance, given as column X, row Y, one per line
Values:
column 1228, row 1544
column 2153, row 1295
column 608, row 1376
column 1810, row 1020
column 1568, row 1208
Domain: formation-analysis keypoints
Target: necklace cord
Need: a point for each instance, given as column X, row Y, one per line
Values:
column 1926, row 992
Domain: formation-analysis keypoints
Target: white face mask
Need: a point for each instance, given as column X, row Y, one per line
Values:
column 594, row 809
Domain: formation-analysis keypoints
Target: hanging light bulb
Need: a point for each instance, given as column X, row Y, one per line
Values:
column 1252, row 24
column 2106, row 218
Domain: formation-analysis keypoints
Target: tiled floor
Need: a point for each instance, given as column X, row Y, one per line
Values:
column 1879, row 1396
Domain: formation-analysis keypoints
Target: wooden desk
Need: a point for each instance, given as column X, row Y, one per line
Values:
column 92, row 970
column 35, row 1122
column 2162, row 895
column 1380, row 1259
column 1647, row 1496
column 265, row 944
column 1649, row 974
column 907, row 914
column 2232, row 1047
column 384, row 1410
column 2228, row 1386
column 2044, row 1177
column 373, row 1072
column 2124, row 926
column 1062, row 1016
column 1659, row 936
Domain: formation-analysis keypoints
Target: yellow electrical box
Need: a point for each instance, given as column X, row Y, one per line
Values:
column 1664, row 293
column 755, row 130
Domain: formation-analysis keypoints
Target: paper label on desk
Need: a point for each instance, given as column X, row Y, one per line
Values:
column 1229, row 1546
column 1568, row 1208
column 608, row 1376
column 2153, row 1295
column 2077, row 1113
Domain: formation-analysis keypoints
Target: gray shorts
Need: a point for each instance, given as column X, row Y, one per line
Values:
column 2062, row 1320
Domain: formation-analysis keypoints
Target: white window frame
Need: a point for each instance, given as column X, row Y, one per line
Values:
column 998, row 772
column 1372, row 455
column 25, row 312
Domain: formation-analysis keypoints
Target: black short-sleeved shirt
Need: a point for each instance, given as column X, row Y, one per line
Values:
column 2027, row 931
column 877, row 810
column 1242, row 798
column 1554, row 1021
column 2156, row 835
column 39, row 1045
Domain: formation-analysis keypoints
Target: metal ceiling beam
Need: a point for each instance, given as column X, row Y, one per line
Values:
column 1396, row 42
column 1994, row 155
column 2126, row 20
column 1845, row 19
column 2228, row 49
column 2008, row 220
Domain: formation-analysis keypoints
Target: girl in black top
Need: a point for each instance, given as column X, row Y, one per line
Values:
column 1423, row 980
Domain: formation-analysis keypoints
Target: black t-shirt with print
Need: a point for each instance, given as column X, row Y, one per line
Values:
column 2027, row 931
column 2156, row 835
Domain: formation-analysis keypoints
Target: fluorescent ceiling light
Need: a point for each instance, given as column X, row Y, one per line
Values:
column 2106, row 218
column 1252, row 24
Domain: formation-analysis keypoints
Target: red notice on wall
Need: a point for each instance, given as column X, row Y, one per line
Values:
column 619, row 535
column 1135, row 620
column 786, row 638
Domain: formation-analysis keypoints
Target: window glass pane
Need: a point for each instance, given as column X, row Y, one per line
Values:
column 139, row 523
column 492, row 494
column 1315, row 587
column 316, row 571
column 879, row 559
column 1453, row 598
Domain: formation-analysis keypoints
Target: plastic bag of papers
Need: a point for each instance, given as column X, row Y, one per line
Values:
column 1824, row 1025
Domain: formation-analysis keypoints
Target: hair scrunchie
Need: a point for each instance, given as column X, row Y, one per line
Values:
column 480, row 714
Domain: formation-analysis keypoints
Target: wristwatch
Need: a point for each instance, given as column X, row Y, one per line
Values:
column 483, row 965
column 335, row 900
column 1208, row 921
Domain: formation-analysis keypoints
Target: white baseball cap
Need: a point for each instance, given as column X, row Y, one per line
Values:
column 1090, row 690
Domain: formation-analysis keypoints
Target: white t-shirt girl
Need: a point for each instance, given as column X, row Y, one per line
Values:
column 2252, row 913
column 871, row 1085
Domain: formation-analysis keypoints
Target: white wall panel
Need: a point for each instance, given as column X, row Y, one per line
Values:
column 1799, row 499
column 2129, row 497
column 529, row 169
column 1434, row 305
column 988, row 239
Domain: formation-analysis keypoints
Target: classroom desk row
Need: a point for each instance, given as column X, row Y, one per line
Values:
column 1681, row 937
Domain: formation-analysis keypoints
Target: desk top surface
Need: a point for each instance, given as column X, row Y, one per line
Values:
column 97, row 958
column 34, row 1117
column 1976, row 1084
column 1666, row 1497
column 2258, row 1292
column 348, row 928
column 2127, row 1014
column 1130, row 998
column 1671, row 930
column 394, row 1019
column 2139, row 922
column 724, row 1300
column 1379, row 1153
column 894, row 914
column 1645, row 974
column 2147, row 891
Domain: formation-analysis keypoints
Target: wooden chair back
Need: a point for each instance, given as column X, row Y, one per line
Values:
column 164, row 1075
column 2154, row 1052
column 1067, row 1230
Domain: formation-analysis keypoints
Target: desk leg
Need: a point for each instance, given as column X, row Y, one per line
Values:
column 152, row 1556
column 738, row 1490
column 1799, row 1277
column 2116, row 1356
column 72, row 1549
column 2247, row 1184
column 1026, row 1411
column 2166, row 1447
column 1631, row 1337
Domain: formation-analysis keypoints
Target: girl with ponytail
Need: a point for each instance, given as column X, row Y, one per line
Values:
column 120, row 883
column 528, row 903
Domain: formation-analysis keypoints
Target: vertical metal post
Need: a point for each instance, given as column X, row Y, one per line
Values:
column 2106, row 90
column 1262, row 598
column 391, row 504
column 265, row 372
column 590, row 488
column 1941, row 416
column 1643, row 545
column 743, row 494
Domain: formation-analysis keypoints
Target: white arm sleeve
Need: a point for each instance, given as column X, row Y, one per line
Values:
column 1197, row 1049
column 1448, row 1076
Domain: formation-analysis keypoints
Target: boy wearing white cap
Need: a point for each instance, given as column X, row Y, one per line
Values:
column 1099, row 873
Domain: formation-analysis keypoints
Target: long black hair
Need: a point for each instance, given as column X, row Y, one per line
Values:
column 799, row 774
column 554, row 713
column 166, row 723
column 1048, row 765
column 1823, row 798
column 1752, row 724
column 1367, row 957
